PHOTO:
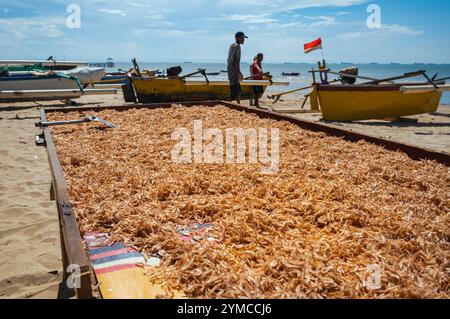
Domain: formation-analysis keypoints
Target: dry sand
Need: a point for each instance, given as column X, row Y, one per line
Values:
column 30, row 256
column 30, row 262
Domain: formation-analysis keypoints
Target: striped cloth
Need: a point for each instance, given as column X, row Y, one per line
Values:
column 115, row 257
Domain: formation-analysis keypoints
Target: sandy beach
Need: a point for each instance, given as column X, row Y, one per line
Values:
column 30, row 262
column 30, row 255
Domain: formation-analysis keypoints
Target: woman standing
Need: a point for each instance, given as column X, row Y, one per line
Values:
column 257, row 74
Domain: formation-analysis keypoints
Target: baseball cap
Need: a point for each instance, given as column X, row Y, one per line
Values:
column 241, row 34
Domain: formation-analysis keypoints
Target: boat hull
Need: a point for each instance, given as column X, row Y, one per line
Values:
column 176, row 90
column 357, row 102
column 29, row 82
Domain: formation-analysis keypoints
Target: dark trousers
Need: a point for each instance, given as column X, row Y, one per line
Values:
column 235, row 91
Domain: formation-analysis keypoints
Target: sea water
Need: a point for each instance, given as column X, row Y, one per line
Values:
column 378, row 71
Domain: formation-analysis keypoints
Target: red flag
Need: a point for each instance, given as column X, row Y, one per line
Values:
column 313, row 46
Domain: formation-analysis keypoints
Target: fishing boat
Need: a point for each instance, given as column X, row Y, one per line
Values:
column 158, row 90
column 363, row 102
column 84, row 74
column 45, row 64
column 343, row 99
column 37, row 82
column 376, row 99
column 290, row 74
column 151, row 89
column 37, row 87
column 16, row 87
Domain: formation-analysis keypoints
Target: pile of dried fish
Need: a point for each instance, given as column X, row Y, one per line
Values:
column 335, row 216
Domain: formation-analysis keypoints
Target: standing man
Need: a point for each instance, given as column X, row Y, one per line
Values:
column 234, row 67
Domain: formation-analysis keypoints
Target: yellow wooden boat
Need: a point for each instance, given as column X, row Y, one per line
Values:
column 363, row 102
column 149, row 88
column 174, row 89
column 376, row 99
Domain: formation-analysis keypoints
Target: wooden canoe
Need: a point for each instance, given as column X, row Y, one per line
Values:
column 365, row 102
column 160, row 90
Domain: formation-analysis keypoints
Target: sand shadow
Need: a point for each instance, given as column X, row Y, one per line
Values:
column 24, row 118
column 403, row 124
column 64, row 292
column 441, row 114
column 391, row 124
column 58, row 105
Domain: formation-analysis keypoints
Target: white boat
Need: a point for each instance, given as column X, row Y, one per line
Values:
column 86, row 74
column 30, row 82
column 37, row 82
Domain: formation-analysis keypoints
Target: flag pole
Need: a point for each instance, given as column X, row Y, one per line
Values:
column 323, row 55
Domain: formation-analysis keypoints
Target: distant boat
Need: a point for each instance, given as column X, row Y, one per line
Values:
column 224, row 71
column 108, row 64
column 290, row 74
column 186, row 62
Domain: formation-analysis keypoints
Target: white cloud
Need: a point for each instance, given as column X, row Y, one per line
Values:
column 321, row 21
column 289, row 5
column 247, row 19
column 169, row 32
column 294, row 5
column 155, row 16
column 23, row 28
column 399, row 29
column 386, row 30
column 112, row 11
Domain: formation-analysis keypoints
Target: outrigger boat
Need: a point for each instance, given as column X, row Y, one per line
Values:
column 175, row 88
column 49, row 64
column 36, row 86
column 372, row 99
column 85, row 75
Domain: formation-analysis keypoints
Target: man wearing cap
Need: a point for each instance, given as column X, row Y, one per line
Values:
column 234, row 67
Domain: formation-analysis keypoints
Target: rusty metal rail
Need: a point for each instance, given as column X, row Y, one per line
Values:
column 73, row 253
column 73, row 250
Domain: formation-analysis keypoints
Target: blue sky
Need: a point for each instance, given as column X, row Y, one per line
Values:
column 202, row 30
